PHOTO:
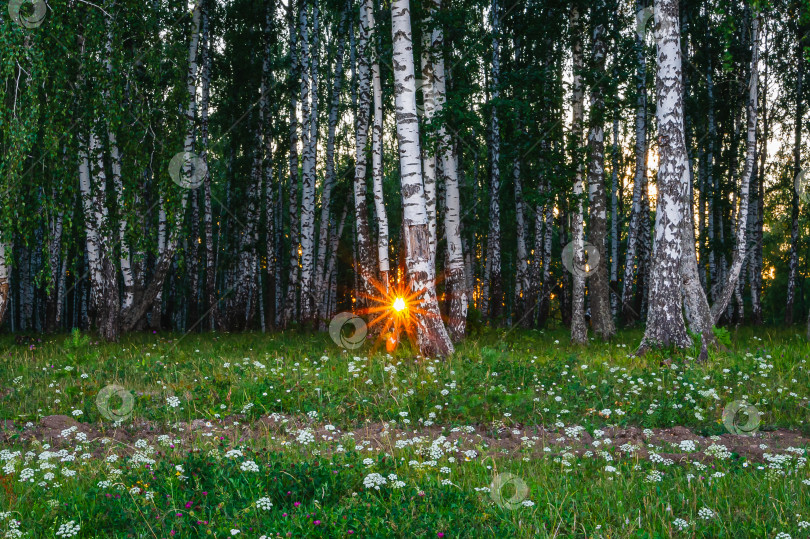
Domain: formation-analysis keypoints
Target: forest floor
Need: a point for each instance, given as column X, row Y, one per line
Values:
column 519, row 434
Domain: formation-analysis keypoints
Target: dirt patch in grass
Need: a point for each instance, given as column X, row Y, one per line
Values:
column 518, row 441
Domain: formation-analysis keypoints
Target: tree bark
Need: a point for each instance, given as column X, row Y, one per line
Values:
column 364, row 262
column 130, row 317
column 665, row 323
column 4, row 276
column 267, row 171
column 522, row 270
column 455, row 279
column 208, row 221
column 290, row 303
column 432, row 337
column 376, row 162
column 755, row 274
column 309, row 107
column 429, row 161
column 599, row 285
column 634, row 229
column 733, row 275
column 330, row 176
column 579, row 328
column 614, row 220
column 492, row 298
column 793, row 260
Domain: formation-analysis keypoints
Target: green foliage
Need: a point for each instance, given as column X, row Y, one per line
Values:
column 722, row 335
column 196, row 485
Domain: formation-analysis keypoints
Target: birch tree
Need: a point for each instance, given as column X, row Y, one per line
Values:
column 364, row 261
column 376, row 161
column 208, row 219
column 740, row 253
column 598, row 288
column 793, row 260
column 309, row 102
column 492, row 294
column 326, row 220
column 579, row 329
column 432, row 337
column 290, row 301
column 634, row 229
column 429, row 161
column 454, row 266
column 665, row 323
column 265, row 152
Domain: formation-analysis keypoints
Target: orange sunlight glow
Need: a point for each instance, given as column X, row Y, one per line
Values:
column 394, row 309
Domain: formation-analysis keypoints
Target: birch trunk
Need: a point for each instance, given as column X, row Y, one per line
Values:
column 702, row 214
column 429, row 161
column 244, row 301
column 103, row 285
column 522, row 271
column 696, row 305
column 267, row 172
column 455, row 279
column 733, row 274
column 364, row 263
column 793, row 260
column 432, row 337
column 579, row 329
column 614, row 219
column 712, row 185
column 309, row 107
column 208, row 221
column 327, row 229
column 758, row 217
column 290, row 302
column 599, row 285
column 55, row 263
column 665, row 323
column 115, row 168
column 634, row 229
column 157, row 303
column 376, row 163
column 492, row 299
column 4, row 276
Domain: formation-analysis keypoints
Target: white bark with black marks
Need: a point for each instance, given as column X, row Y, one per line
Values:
column 740, row 252
column 432, row 337
column 665, row 322
column 599, row 284
column 634, row 229
column 365, row 256
column 454, row 264
column 492, row 297
column 376, row 162
column 579, row 328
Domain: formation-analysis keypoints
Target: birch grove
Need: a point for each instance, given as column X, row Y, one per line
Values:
column 218, row 167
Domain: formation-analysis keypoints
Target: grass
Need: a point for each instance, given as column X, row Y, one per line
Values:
column 223, row 426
